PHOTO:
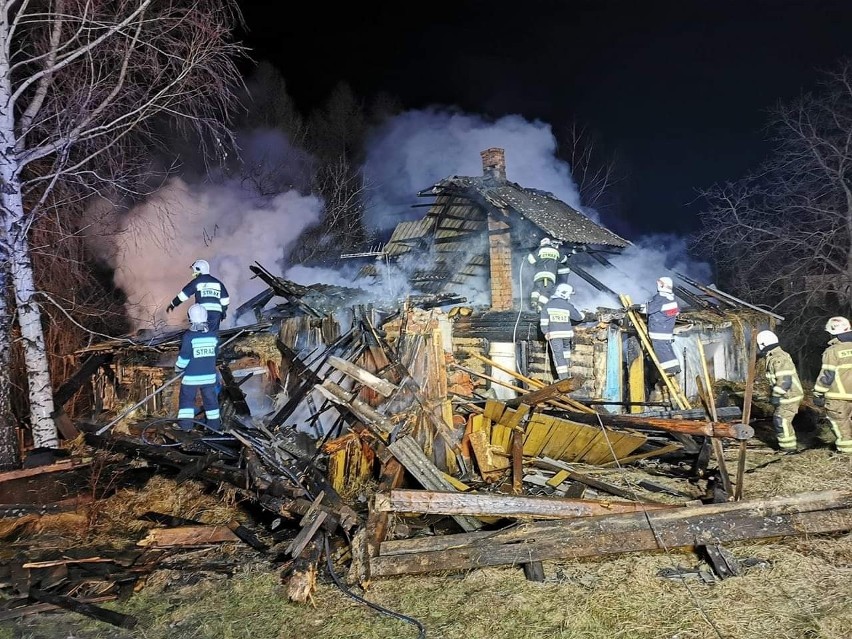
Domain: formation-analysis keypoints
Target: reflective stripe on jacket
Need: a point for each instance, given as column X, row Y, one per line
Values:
column 208, row 291
column 556, row 317
column 662, row 311
column 197, row 358
column 548, row 262
column 782, row 375
column 835, row 376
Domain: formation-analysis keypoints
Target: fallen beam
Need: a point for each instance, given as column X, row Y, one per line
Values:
column 90, row 610
column 428, row 502
column 808, row 513
column 683, row 426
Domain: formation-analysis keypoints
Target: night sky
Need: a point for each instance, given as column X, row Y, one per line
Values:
column 678, row 91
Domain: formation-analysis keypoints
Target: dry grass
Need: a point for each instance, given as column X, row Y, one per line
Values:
column 802, row 591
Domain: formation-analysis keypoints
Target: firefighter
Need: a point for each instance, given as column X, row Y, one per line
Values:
column 786, row 394
column 555, row 321
column 662, row 310
column 208, row 291
column 833, row 388
column 551, row 266
column 197, row 362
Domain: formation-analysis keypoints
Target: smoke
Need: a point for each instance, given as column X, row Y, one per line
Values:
column 258, row 216
column 635, row 271
column 151, row 246
column 418, row 148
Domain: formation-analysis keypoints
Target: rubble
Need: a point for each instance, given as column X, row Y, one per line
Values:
column 371, row 421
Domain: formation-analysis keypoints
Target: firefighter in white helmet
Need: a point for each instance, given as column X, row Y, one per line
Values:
column 662, row 310
column 208, row 291
column 556, row 323
column 551, row 267
column 197, row 361
column 833, row 388
column 786, row 390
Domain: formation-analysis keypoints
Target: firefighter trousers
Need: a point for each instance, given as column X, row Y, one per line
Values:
column 209, row 400
column 664, row 350
column 782, row 421
column 560, row 348
column 839, row 414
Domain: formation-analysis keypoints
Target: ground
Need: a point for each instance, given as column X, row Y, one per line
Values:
column 799, row 588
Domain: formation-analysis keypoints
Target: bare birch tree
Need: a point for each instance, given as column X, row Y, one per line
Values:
column 783, row 235
column 86, row 87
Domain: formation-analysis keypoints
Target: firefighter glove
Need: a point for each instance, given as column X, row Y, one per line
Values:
column 170, row 308
column 819, row 400
column 775, row 400
column 224, row 313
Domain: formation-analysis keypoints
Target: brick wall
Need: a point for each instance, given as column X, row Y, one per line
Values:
column 500, row 258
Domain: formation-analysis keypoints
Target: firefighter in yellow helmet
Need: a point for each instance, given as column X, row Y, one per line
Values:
column 833, row 388
column 786, row 389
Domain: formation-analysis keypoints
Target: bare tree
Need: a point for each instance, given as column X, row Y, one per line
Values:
column 594, row 173
column 783, row 235
column 86, row 86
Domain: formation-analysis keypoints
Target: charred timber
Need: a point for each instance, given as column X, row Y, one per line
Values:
column 498, row 326
column 682, row 426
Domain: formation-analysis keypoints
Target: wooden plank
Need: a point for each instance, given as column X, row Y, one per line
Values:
column 381, row 386
column 555, row 391
column 514, row 417
column 188, row 536
column 555, row 464
column 655, row 530
column 381, row 425
column 636, row 382
column 663, row 450
column 500, row 505
column 494, row 409
column 410, row 455
column 534, row 438
column 490, row 464
column 580, row 438
column 90, row 610
column 557, row 479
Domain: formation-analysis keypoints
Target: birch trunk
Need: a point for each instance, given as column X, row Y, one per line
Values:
column 14, row 239
column 9, row 454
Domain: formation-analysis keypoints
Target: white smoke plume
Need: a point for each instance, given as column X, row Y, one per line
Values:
column 416, row 149
column 635, row 271
column 232, row 225
column 151, row 246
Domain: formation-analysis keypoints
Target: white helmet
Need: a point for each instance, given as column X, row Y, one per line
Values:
column 765, row 339
column 197, row 314
column 200, row 267
column 545, row 241
column 564, row 291
column 665, row 285
column 838, row 325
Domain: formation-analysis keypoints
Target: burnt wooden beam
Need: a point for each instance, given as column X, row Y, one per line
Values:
column 542, row 395
column 74, row 383
column 683, row 426
column 560, row 466
column 427, row 502
column 656, row 530
column 87, row 609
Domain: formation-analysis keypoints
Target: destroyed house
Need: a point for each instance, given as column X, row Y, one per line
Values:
column 473, row 242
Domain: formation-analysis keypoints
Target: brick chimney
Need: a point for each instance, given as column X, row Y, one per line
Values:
column 494, row 163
